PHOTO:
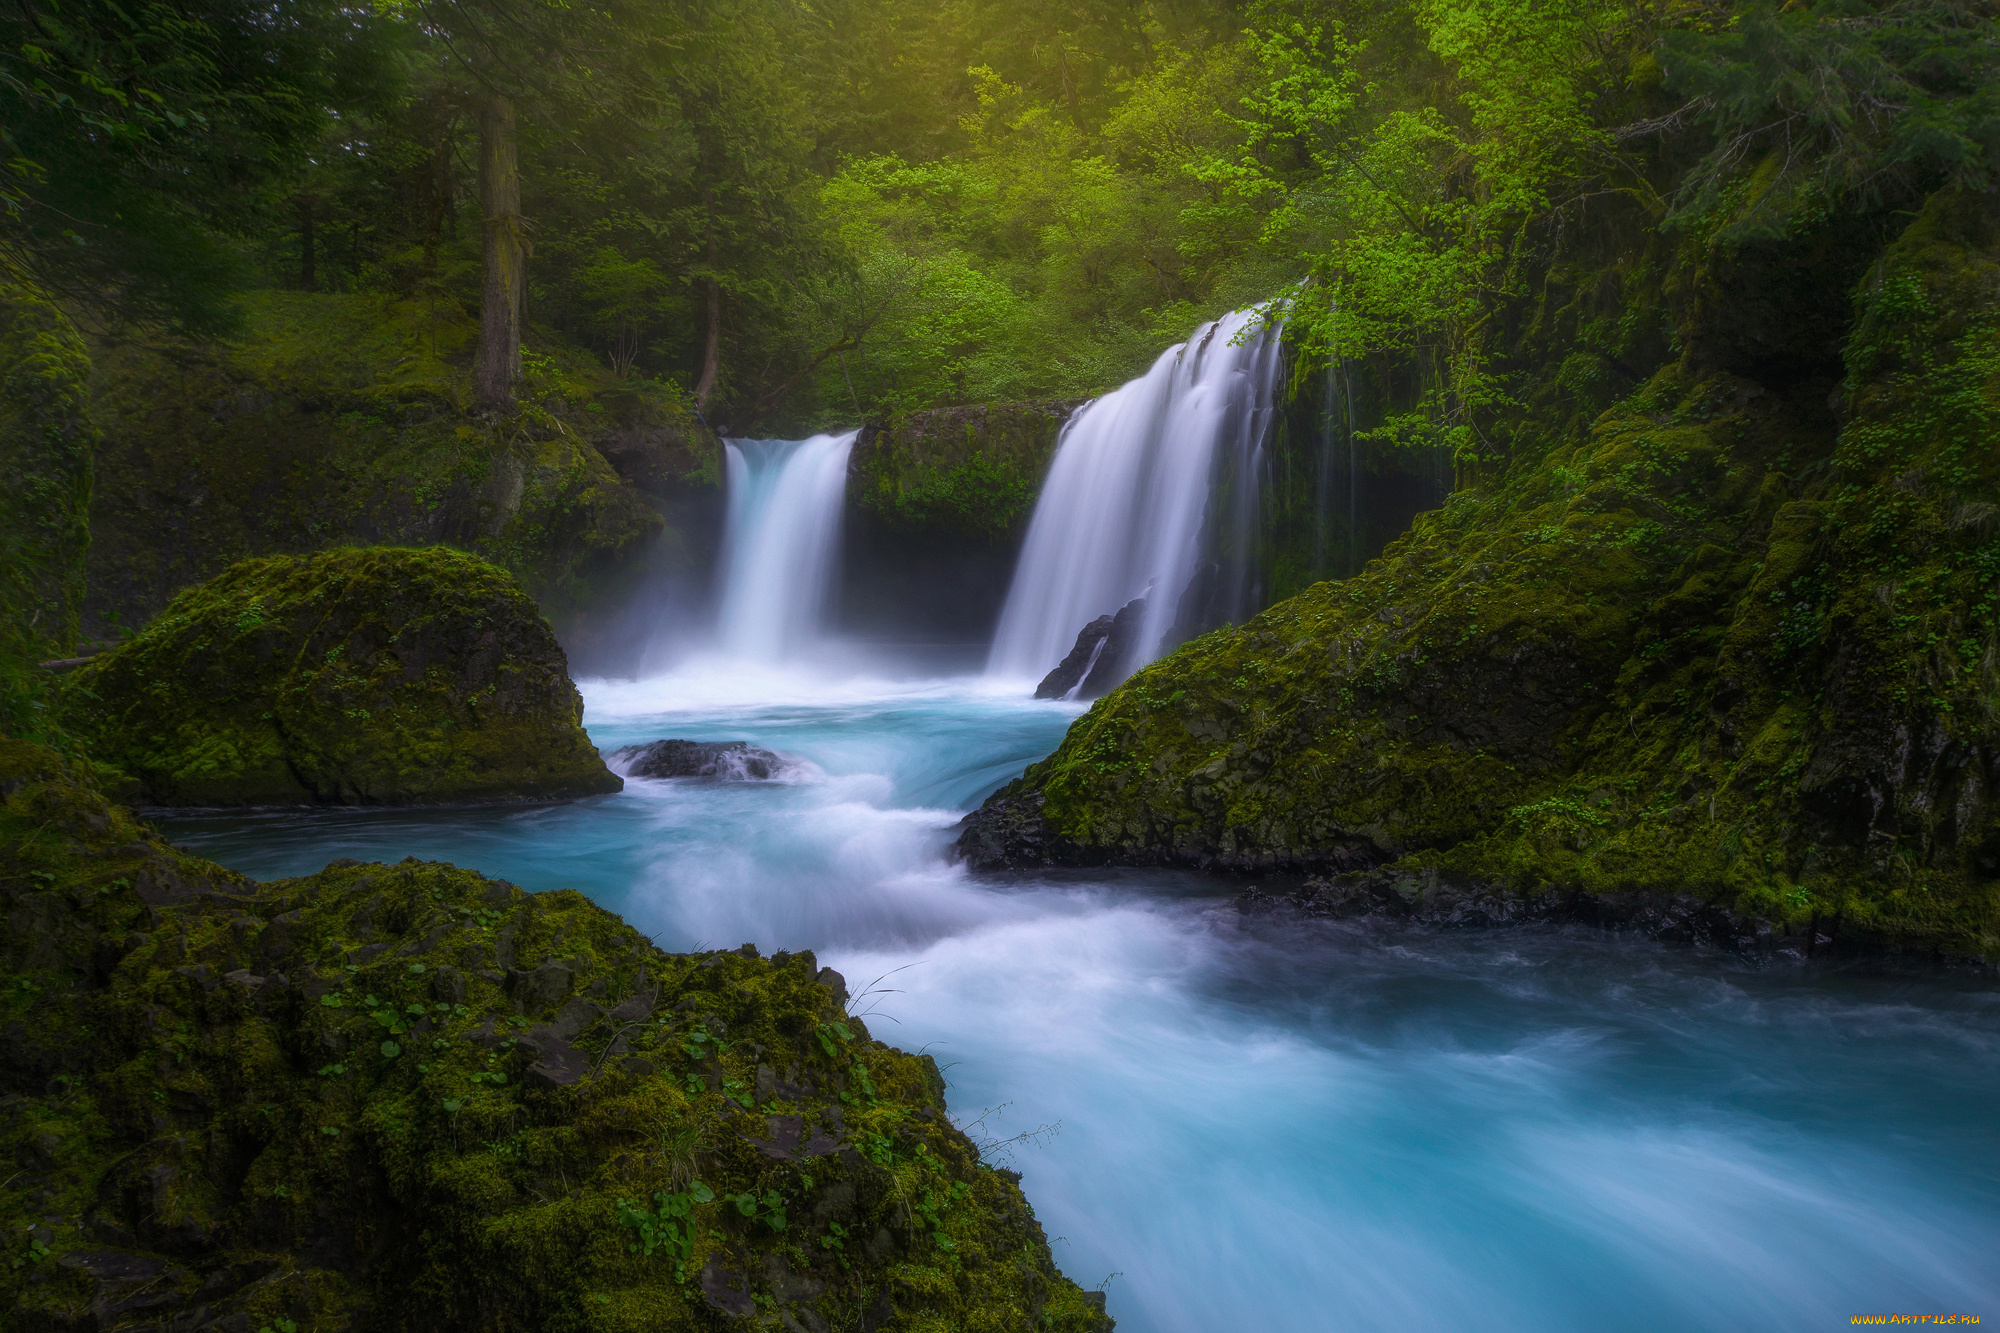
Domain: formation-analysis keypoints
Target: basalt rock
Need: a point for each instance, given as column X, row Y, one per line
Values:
column 1430, row 900
column 1102, row 656
column 379, row 676
column 727, row 761
column 222, row 1110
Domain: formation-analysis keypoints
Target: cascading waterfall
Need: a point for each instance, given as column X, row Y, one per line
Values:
column 780, row 542
column 1129, row 506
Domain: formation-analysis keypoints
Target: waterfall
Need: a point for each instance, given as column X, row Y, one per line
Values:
column 780, row 542
column 1155, row 491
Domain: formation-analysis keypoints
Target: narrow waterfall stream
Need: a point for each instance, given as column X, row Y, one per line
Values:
column 1143, row 480
column 780, row 543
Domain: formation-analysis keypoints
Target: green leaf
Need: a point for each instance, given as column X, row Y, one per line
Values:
column 390, row 1050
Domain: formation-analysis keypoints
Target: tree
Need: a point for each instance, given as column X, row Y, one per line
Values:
column 563, row 62
column 139, row 136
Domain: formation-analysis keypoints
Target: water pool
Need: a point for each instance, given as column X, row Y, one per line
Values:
column 1251, row 1121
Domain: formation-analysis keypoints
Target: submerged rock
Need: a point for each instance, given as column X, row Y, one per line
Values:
column 1104, row 651
column 372, row 676
column 401, row 1096
column 728, row 761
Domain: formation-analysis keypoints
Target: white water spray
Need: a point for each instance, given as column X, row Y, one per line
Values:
column 780, row 543
column 1128, row 504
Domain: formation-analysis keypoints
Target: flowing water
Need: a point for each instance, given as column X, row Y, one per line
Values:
column 782, row 540
column 1278, row 1124
column 1256, row 1121
column 1149, row 484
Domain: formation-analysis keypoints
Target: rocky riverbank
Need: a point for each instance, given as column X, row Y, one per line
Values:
column 409, row 1096
column 1732, row 639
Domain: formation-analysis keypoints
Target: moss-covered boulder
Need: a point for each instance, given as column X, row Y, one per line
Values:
column 377, row 675
column 411, row 1097
column 1734, row 641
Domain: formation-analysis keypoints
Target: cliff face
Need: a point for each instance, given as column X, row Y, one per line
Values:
column 377, row 675
column 937, row 505
column 1734, row 639
column 410, row 1097
column 347, row 419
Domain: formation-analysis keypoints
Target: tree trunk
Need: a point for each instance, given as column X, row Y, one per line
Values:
column 308, row 261
column 506, row 254
column 711, row 354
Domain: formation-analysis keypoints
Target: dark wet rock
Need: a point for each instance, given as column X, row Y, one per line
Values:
column 725, row 761
column 726, row 1288
column 1103, row 656
column 1069, row 672
column 788, row 1140
column 547, row 985
column 575, row 1017
column 1011, row 833
column 1431, row 901
column 560, row 1064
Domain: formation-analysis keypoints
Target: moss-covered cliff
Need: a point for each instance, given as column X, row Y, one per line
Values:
column 410, row 1097
column 348, row 418
column 46, row 442
column 370, row 675
column 937, row 505
column 1734, row 639
column 962, row 470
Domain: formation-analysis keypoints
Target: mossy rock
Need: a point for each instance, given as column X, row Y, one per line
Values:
column 361, row 675
column 408, row 1096
column 957, row 471
column 1729, row 641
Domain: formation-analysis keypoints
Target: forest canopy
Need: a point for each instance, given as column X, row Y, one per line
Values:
column 801, row 214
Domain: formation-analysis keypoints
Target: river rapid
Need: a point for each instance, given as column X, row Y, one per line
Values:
column 1258, row 1122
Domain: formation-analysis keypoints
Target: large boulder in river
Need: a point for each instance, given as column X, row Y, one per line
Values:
column 400, row 1097
column 726, row 761
column 353, row 676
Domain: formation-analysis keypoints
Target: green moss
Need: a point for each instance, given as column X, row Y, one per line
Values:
column 348, row 418
column 413, row 1097
column 1721, row 643
column 962, row 471
column 377, row 675
column 46, row 440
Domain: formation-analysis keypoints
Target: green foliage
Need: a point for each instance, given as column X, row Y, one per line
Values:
column 46, row 443
column 344, row 418
column 140, row 137
column 670, row 1225
column 969, row 472
column 1833, row 105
